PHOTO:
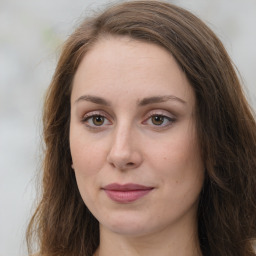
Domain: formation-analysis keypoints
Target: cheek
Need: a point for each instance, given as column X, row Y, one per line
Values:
column 86, row 165
column 86, row 160
column 86, row 155
column 178, row 159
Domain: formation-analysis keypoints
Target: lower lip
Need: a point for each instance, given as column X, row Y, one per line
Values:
column 126, row 196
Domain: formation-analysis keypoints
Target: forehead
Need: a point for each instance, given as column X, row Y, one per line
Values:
column 119, row 65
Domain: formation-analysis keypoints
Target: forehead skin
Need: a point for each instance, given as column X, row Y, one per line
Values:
column 152, row 63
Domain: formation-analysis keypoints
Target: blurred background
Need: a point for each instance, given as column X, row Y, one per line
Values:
column 31, row 34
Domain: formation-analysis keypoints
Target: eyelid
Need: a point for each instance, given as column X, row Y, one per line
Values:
column 94, row 113
column 156, row 112
column 91, row 114
column 159, row 112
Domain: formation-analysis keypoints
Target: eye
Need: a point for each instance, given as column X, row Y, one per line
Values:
column 95, row 120
column 159, row 120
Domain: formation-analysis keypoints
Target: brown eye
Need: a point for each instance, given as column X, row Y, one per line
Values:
column 157, row 120
column 98, row 120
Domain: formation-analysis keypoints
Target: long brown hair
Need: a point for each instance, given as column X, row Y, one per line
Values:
column 226, row 130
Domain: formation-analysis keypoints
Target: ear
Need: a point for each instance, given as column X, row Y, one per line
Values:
column 72, row 166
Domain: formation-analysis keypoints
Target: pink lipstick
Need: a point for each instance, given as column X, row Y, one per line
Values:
column 126, row 193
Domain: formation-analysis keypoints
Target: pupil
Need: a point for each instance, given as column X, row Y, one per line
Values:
column 158, row 120
column 98, row 120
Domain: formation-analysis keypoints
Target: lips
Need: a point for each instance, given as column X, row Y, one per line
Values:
column 126, row 193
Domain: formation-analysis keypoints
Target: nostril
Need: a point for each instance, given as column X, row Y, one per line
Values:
column 123, row 159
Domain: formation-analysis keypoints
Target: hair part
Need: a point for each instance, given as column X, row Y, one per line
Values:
column 225, row 126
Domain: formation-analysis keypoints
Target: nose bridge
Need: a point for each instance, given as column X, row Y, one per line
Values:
column 123, row 152
column 123, row 137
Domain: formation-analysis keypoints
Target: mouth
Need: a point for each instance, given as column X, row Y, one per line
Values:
column 126, row 193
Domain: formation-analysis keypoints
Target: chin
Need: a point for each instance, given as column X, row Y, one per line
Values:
column 126, row 225
column 131, row 226
column 130, row 231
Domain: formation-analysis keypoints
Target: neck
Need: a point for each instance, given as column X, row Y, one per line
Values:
column 164, row 243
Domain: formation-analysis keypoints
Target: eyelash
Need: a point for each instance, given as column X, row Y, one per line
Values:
column 166, row 120
column 89, row 117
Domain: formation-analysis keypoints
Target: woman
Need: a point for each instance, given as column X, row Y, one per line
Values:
column 150, row 142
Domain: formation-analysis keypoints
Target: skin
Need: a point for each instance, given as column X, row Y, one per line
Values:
column 123, row 141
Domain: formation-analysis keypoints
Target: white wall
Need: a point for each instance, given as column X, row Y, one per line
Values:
column 30, row 34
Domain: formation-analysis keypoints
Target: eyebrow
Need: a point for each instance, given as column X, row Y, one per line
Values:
column 93, row 99
column 142, row 102
column 159, row 99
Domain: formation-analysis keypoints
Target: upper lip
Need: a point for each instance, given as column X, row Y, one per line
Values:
column 126, row 187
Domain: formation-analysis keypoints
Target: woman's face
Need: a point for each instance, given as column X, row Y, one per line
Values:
column 133, row 140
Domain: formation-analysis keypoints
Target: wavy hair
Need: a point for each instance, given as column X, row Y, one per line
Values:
column 62, row 224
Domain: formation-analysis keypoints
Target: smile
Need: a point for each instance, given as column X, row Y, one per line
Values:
column 126, row 193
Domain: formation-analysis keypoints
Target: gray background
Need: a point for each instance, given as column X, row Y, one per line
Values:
column 31, row 33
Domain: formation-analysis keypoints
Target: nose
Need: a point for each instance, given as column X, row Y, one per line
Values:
column 124, row 152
